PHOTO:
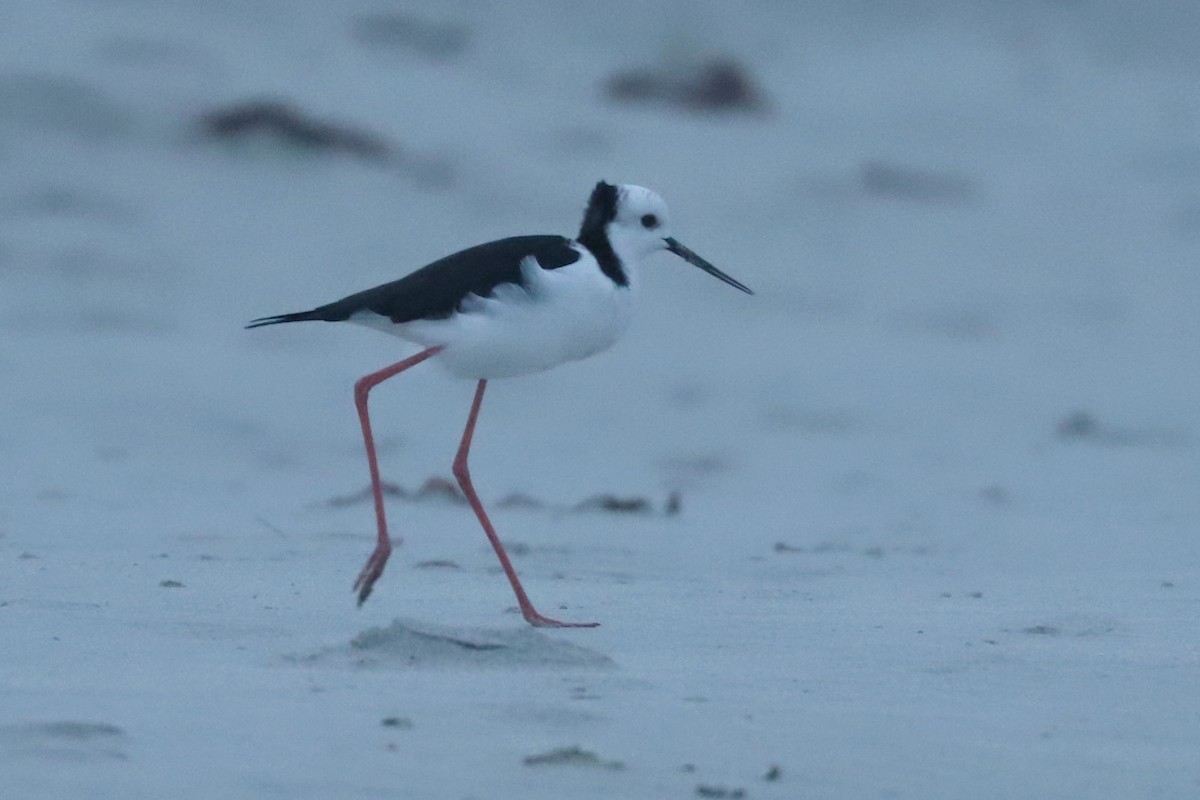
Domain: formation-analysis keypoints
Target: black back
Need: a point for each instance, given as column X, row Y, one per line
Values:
column 434, row 291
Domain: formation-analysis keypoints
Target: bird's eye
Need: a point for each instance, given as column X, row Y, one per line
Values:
column 649, row 221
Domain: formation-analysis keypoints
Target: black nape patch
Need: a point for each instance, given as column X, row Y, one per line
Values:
column 601, row 210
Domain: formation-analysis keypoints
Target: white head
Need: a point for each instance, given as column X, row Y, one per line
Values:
column 641, row 223
column 626, row 223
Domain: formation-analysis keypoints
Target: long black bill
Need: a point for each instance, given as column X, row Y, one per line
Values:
column 696, row 261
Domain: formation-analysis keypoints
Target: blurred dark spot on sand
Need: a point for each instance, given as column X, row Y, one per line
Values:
column 902, row 182
column 573, row 756
column 714, row 85
column 398, row 31
column 290, row 126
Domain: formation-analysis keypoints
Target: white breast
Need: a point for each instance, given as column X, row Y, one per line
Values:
column 560, row 315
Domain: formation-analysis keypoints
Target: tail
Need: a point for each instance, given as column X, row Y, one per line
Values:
column 299, row 316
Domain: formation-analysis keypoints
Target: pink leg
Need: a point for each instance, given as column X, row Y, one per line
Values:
column 383, row 546
column 464, row 481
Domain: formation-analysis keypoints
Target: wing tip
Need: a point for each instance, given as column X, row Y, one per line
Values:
column 299, row 316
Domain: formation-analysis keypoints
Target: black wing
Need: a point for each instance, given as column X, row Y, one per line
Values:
column 434, row 291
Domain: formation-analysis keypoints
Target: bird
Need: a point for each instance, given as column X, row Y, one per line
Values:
column 505, row 308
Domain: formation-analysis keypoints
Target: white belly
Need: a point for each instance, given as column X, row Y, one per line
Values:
column 565, row 314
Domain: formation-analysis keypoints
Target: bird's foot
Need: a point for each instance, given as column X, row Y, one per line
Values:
column 539, row 621
column 371, row 571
